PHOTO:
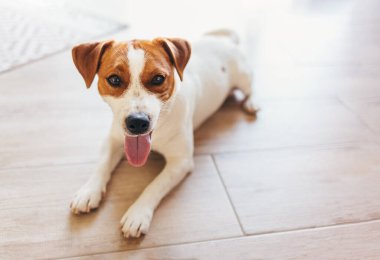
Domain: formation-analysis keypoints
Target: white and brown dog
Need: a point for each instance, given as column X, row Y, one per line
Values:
column 156, row 108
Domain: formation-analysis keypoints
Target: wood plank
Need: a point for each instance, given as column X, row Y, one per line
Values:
column 36, row 221
column 315, row 82
column 53, row 137
column 368, row 109
column 280, row 190
column 283, row 123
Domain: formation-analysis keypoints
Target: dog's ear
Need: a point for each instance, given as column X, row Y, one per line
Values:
column 179, row 52
column 87, row 57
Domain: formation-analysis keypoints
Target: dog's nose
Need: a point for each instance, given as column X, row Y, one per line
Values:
column 137, row 123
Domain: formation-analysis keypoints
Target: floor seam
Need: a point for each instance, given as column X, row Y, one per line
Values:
column 47, row 165
column 232, row 237
column 227, row 193
column 152, row 247
column 310, row 228
column 361, row 120
column 337, row 145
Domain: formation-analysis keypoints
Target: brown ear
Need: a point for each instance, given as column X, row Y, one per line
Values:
column 179, row 51
column 86, row 58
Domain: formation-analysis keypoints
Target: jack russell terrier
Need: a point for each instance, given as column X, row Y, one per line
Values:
column 157, row 104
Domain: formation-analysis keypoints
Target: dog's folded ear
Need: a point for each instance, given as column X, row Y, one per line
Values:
column 87, row 57
column 179, row 52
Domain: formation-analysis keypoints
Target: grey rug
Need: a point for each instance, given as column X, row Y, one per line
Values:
column 30, row 30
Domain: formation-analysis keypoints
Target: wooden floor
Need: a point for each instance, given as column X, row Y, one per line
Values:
column 300, row 182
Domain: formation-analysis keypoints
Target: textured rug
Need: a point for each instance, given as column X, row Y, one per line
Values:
column 30, row 30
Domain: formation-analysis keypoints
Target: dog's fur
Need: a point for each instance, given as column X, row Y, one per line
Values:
column 193, row 90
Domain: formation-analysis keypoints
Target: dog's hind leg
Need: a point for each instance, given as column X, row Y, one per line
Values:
column 243, row 82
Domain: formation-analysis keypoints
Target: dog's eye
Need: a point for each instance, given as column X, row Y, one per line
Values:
column 157, row 80
column 114, row 81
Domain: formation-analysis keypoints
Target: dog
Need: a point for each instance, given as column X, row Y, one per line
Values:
column 159, row 91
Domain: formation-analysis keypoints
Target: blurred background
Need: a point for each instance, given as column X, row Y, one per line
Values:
column 300, row 182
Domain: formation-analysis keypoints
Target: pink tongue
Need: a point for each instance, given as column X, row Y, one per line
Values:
column 137, row 149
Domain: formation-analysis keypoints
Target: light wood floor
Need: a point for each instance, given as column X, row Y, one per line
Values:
column 300, row 182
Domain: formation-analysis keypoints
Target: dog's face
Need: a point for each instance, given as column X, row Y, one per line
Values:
column 135, row 78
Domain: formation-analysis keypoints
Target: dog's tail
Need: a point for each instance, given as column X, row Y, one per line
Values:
column 225, row 33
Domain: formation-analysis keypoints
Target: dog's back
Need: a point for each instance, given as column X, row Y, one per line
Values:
column 225, row 33
column 217, row 65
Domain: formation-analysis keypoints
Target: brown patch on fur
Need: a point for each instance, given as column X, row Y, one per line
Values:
column 157, row 62
column 86, row 58
column 114, row 62
column 179, row 51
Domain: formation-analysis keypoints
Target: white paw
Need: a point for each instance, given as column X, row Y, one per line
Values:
column 136, row 221
column 248, row 107
column 88, row 197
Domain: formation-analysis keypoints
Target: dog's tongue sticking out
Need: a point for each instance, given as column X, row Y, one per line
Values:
column 137, row 149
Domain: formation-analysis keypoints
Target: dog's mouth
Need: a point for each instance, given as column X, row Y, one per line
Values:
column 137, row 148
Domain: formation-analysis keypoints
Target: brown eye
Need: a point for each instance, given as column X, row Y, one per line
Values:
column 114, row 81
column 157, row 80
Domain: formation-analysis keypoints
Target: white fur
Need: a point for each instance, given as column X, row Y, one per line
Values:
column 215, row 67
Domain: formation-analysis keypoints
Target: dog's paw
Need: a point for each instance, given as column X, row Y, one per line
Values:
column 88, row 197
column 249, row 107
column 136, row 221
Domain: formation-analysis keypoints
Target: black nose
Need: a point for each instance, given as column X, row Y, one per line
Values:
column 137, row 123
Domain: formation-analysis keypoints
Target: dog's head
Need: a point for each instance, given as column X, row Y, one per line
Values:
column 136, row 79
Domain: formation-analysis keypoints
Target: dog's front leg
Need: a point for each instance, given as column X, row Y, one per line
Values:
column 90, row 194
column 179, row 162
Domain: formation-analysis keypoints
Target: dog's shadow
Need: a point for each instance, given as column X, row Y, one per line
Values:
column 77, row 222
column 223, row 123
